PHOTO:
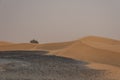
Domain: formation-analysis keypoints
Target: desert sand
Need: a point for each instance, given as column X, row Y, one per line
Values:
column 112, row 72
column 94, row 49
column 100, row 53
column 35, row 65
column 3, row 43
column 30, row 46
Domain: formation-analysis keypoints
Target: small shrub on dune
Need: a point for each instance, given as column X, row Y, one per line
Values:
column 34, row 41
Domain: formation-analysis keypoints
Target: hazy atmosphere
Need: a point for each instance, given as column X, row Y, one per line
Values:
column 58, row 20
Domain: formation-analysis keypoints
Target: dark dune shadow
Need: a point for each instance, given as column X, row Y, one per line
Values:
column 35, row 65
column 20, row 53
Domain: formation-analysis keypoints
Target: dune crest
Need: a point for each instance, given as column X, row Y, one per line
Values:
column 102, row 43
column 94, row 49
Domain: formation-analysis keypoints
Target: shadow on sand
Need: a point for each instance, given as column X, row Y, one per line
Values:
column 36, row 65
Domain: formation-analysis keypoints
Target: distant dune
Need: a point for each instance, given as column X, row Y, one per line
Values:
column 55, row 46
column 94, row 49
column 29, row 46
column 21, row 46
column 3, row 43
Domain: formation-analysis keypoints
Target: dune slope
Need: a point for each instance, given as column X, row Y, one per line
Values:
column 54, row 46
column 29, row 46
column 21, row 46
column 94, row 49
column 3, row 43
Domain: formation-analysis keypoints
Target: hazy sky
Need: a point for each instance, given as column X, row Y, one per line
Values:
column 58, row 20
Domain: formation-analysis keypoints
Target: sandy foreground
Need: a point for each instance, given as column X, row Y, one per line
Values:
column 112, row 72
column 35, row 65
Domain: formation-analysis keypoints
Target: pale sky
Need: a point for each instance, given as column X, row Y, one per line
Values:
column 58, row 20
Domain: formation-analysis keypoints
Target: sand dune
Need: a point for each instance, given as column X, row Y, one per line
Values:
column 91, row 49
column 3, row 43
column 94, row 49
column 54, row 46
column 101, row 53
column 101, row 40
column 112, row 72
column 102, row 43
column 29, row 46
column 21, row 46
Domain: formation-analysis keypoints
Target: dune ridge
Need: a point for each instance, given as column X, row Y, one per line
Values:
column 85, row 49
column 102, row 43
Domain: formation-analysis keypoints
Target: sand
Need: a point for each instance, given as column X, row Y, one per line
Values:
column 91, row 49
column 20, row 46
column 84, row 49
column 112, row 72
column 29, row 46
column 101, row 53
column 4, row 43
